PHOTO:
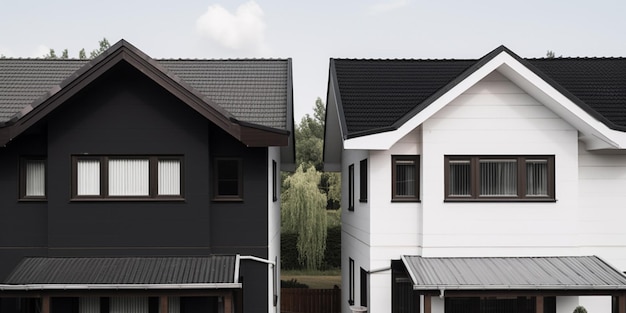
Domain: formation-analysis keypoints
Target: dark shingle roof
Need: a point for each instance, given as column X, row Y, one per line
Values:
column 124, row 270
column 377, row 95
column 253, row 91
column 507, row 273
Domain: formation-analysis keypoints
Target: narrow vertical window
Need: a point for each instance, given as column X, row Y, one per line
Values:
column 351, row 187
column 363, row 181
column 169, row 178
column 88, row 177
column 274, row 181
column 537, row 178
column 459, row 183
column 405, row 178
column 33, row 178
column 351, row 282
column 227, row 178
column 363, row 287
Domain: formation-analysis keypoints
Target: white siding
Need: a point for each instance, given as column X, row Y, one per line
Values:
column 273, row 216
column 497, row 117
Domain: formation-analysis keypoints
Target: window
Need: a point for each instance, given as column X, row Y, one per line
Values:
column 363, row 181
column 274, row 181
column 351, row 281
column 363, row 287
column 33, row 178
column 482, row 178
column 127, row 177
column 405, row 178
column 351, row 187
column 228, row 184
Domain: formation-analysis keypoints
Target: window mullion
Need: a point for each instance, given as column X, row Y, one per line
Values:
column 153, row 176
column 104, row 177
column 475, row 177
column 521, row 177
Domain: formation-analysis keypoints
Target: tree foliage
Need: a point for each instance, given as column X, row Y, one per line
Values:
column 103, row 46
column 304, row 212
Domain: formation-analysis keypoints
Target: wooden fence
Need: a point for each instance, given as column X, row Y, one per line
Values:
column 301, row 300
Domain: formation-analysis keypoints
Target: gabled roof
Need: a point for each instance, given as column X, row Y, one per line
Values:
column 380, row 95
column 246, row 98
column 124, row 273
column 513, row 273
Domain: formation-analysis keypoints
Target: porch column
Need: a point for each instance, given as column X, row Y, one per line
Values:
column 621, row 303
column 163, row 304
column 427, row 303
column 45, row 304
column 539, row 304
column 228, row 302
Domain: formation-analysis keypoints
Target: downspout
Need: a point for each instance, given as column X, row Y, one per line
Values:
column 274, row 274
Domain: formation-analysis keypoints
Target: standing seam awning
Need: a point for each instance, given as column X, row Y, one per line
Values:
column 89, row 273
column 513, row 273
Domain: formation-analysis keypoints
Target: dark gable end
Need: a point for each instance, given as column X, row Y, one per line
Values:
column 376, row 96
column 31, row 102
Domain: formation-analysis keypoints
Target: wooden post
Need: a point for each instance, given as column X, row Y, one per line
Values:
column 163, row 305
column 427, row 303
column 45, row 304
column 228, row 302
column 621, row 303
column 539, row 304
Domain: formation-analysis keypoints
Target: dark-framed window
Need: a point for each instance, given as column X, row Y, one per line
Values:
column 127, row 177
column 351, row 187
column 405, row 177
column 33, row 172
column 499, row 178
column 363, row 287
column 274, row 181
column 350, row 281
column 363, row 181
column 227, row 179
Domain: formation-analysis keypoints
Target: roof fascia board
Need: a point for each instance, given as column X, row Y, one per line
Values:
column 288, row 153
column 334, row 124
column 598, row 134
column 385, row 140
column 118, row 286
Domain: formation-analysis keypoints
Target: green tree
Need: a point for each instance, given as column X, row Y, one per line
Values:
column 304, row 212
column 65, row 54
column 104, row 45
column 51, row 55
column 82, row 54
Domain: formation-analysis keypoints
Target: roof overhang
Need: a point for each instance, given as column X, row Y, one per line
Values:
column 579, row 275
column 247, row 133
column 595, row 133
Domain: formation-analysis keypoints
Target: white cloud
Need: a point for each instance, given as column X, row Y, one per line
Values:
column 388, row 5
column 244, row 30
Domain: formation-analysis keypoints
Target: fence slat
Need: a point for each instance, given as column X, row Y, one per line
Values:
column 302, row 300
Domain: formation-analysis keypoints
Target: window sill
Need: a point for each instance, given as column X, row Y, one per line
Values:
column 227, row 199
column 501, row 200
column 127, row 199
column 406, row 200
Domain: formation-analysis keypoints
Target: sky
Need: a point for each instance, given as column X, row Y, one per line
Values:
column 312, row 32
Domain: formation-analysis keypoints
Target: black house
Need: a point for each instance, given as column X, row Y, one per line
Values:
column 129, row 184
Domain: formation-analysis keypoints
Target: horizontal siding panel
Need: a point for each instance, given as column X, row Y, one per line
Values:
column 494, row 100
column 495, row 112
column 495, row 87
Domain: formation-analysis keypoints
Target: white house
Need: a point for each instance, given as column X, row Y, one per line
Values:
column 480, row 185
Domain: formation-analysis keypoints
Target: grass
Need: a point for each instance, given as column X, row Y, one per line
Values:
column 314, row 279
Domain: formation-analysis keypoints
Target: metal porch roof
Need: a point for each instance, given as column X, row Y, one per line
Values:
column 513, row 273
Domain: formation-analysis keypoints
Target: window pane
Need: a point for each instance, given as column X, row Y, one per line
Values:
column 129, row 177
column 460, row 178
column 88, row 177
column 169, row 177
column 405, row 178
column 228, row 178
column 35, row 178
column 537, row 177
column 498, row 177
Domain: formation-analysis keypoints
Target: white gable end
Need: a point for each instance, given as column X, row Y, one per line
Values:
column 595, row 134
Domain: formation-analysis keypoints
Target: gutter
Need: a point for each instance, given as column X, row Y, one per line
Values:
column 117, row 286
